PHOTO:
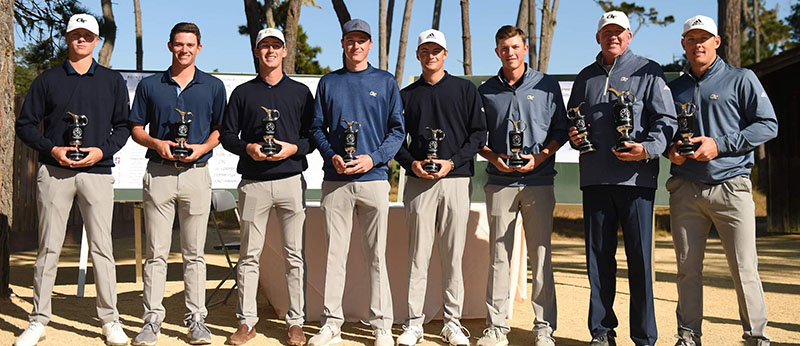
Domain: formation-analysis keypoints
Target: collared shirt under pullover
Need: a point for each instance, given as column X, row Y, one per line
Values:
column 452, row 105
column 734, row 110
column 242, row 125
column 535, row 99
column 654, row 121
column 371, row 98
column 158, row 95
column 100, row 94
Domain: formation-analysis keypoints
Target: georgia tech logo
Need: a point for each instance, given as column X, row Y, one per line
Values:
column 373, row 93
column 80, row 20
column 714, row 97
column 529, row 97
column 611, row 16
column 623, row 79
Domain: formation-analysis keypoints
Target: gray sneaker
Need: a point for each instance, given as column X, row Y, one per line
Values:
column 148, row 336
column 493, row 336
column 198, row 333
column 544, row 340
column 687, row 338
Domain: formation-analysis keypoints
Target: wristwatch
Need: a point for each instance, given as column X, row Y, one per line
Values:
column 452, row 164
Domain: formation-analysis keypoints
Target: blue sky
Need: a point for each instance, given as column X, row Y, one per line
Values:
column 573, row 46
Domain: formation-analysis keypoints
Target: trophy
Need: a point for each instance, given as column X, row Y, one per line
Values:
column 268, row 123
column 623, row 118
column 76, row 136
column 579, row 121
column 437, row 135
column 515, row 138
column 182, row 135
column 350, row 140
column 686, row 128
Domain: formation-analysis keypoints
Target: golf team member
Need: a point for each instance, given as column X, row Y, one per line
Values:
column 712, row 186
column 270, row 180
column 521, row 93
column 362, row 93
column 82, row 87
column 619, row 187
column 172, row 182
column 437, row 203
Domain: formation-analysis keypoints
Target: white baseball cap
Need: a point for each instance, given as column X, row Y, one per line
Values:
column 269, row 32
column 700, row 22
column 614, row 17
column 83, row 21
column 432, row 35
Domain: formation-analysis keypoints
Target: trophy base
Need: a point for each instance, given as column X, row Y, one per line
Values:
column 75, row 155
column 181, row 151
column 586, row 147
column 348, row 157
column 621, row 148
column 431, row 167
column 517, row 162
column 686, row 150
column 267, row 150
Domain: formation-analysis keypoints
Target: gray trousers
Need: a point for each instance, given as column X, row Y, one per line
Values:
column 536, row 204
column 256, row 198
column 729, row 206
column 57, row 187
column 165, row 189
column 436, row 209
column 370, row 201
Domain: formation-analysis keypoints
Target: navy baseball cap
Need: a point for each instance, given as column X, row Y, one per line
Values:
column 355, row 25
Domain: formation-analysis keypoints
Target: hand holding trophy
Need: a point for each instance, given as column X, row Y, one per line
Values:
column 182, row 134
column 623, row 118
column 76, row 136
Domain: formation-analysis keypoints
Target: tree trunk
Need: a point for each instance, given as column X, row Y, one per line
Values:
column 466, row 38
column 522, row 15
column 437, row 14
column 251, row 10
column 341, row 11
column 532, row 61
column 729, row 14
column 389, row 15
column 548, row 26
column 290, row 30
column 757, row 27
column 110, row 33
column 401, row 50
column 6, row 107
column 269, row 18
column 137, row 12
column 383, row 43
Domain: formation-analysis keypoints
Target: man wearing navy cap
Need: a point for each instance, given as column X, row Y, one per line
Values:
column 358, row 93
column 177, row 182
column 99, row 95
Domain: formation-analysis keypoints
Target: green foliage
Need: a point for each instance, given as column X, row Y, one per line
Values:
column 676, row 65
column 774, row 33
column 638, row 13
column 793, row 20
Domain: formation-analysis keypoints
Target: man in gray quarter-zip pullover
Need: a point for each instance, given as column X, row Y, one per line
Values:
column 521, row 94
column 712, row 185
column 619, row 187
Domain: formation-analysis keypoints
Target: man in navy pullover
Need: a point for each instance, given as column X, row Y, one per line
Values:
column 82, row 87
column 712, row 185
column 357, row 92
column 619, row 187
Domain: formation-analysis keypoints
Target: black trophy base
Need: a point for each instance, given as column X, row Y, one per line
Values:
column 687, row 149
column 431, row 167
column 181, row 151
column 621, row 148
column 270, row 150
column 517, row 162
column 586, row 147
column 348, row 157
column 75, row 155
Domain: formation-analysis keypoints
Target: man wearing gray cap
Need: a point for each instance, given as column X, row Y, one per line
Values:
column 619, row 185
column 357, row 97
column 710, row 183
column 77, row 103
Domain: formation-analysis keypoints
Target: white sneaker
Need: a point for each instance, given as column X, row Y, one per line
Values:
column 327, row 335
column 114, row 334
column 493, row 336
column 454, row 334
column 383, row 337
column 544, row 340
column 31, row 336
column 412, row 335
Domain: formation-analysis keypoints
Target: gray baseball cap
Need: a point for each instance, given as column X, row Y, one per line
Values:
column 355, row 25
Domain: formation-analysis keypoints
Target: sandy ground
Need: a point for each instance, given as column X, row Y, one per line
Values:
column 74, row 319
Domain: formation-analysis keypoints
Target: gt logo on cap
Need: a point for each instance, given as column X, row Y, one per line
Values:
column 80, row 20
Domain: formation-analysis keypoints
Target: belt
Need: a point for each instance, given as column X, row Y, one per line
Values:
column 178, row 164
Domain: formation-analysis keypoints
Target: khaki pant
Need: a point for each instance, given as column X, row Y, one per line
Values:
column 503, row 205
column 436, row 209
column 165, row 189
column 370, row 201
column 256, row 198
column 729, row 206
column 57, row 187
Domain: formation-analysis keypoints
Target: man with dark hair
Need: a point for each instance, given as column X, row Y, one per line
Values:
column 177, row 176
column 357, row 96
column 270, row 180
column 710, row 183
column 444, row 113
column 619, row 185
column 78, row 103
column 520, row 98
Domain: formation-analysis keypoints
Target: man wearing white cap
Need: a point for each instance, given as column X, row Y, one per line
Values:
column 78, row 92
column 443, row 114
column 619, row 184
column 272, row 180
column 711, row 186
